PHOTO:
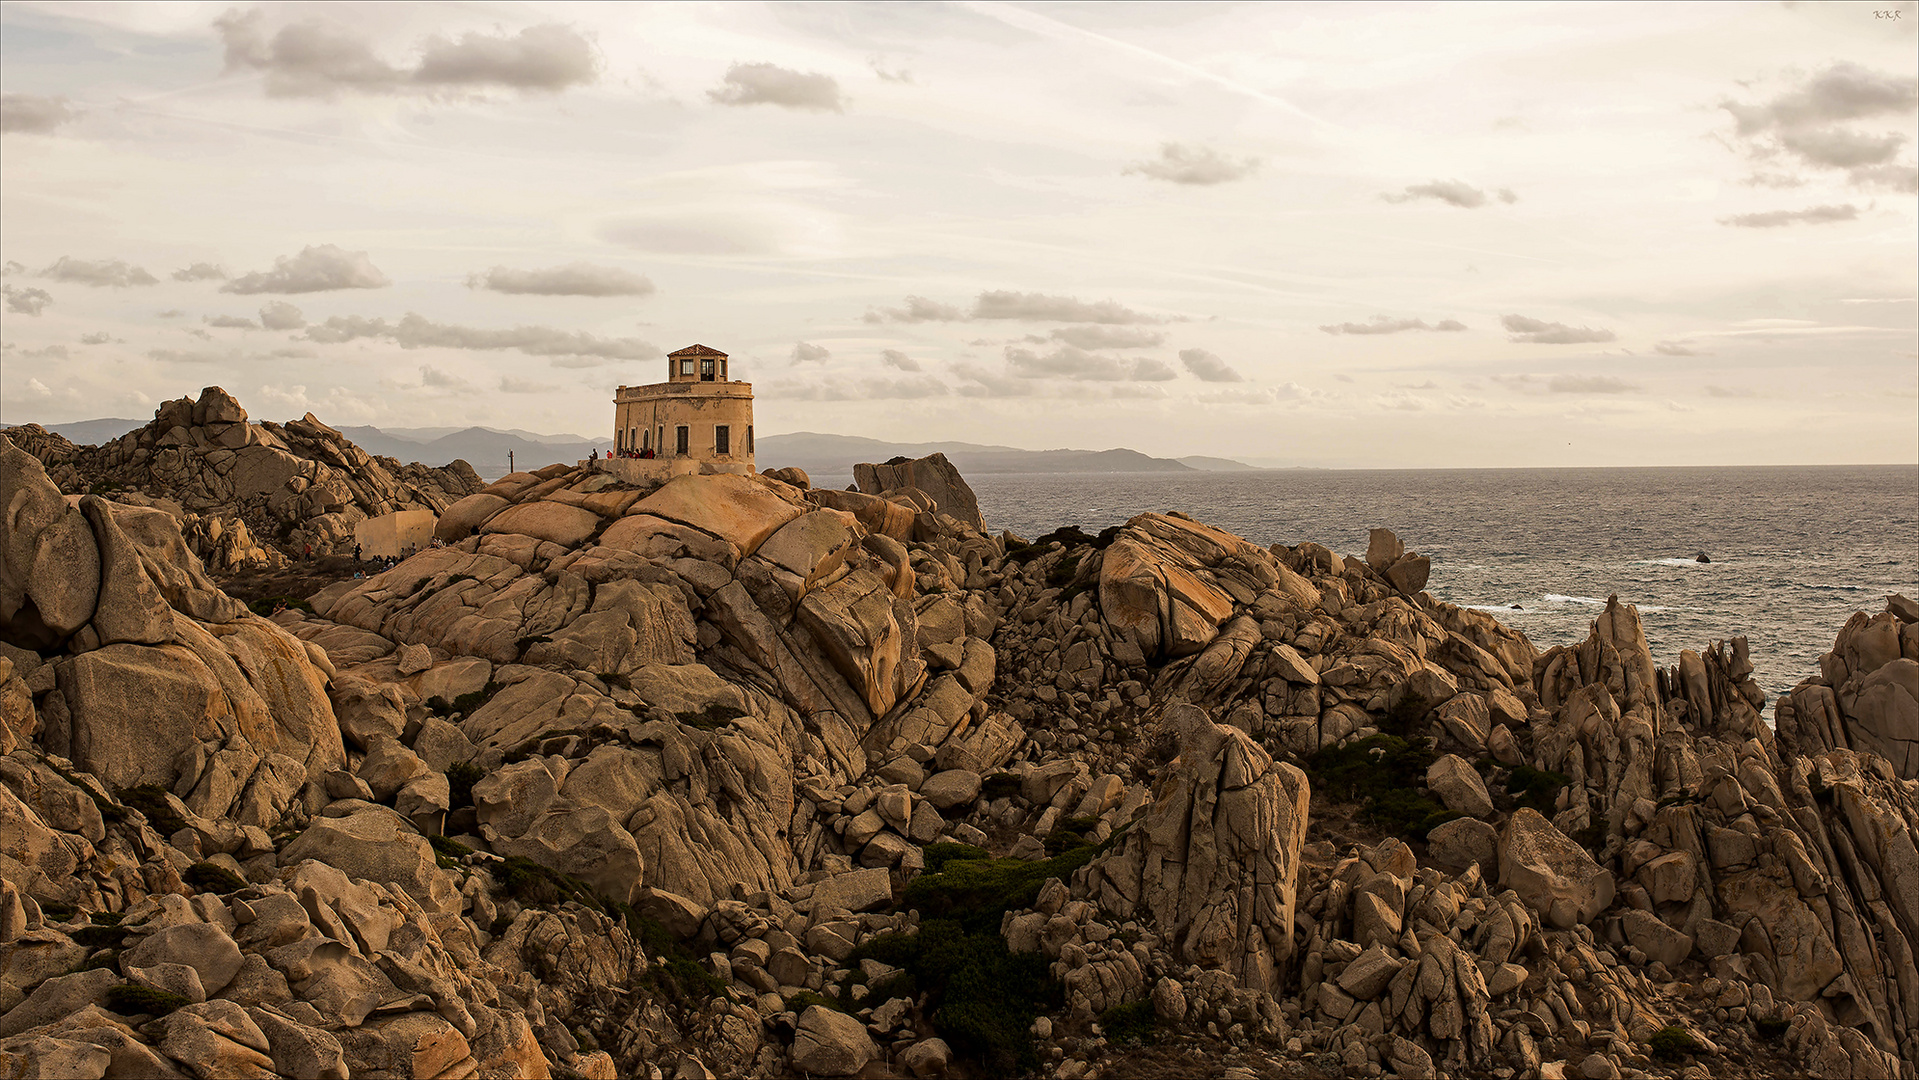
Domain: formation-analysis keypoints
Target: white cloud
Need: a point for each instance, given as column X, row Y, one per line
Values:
column 230, row 322
column 101, row 273
column 1039, row 307
column 1385, row 324
column 321, row 268
column 1068, row 362
column 1208, row 367
column 35, row 114
column 316, row 58
column 1812, row 215
column 1108, row 337
column 1538, row 332
column 770, row 84
column 1181, row 164
column 918, row 309
column 573, row 279
column 511, row 385
column 200, row 271
column 418, row 332
column 26, row 301
column 808, row 353
column 280, row 315
column 896, row 359
column 1451, row 192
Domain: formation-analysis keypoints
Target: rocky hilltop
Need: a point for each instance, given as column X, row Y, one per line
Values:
column 731, row 776
column 248, row 494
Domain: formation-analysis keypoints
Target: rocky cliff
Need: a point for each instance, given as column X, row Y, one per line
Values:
column 249, row 494
column 730, row 776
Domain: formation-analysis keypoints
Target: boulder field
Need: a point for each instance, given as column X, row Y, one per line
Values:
column 732, row 776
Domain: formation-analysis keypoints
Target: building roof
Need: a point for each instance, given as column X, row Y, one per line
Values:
column 697, row 350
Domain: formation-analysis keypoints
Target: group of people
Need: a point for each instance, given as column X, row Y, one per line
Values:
column 641, row 454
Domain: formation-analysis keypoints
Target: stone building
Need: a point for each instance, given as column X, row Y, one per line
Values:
column 698, row 421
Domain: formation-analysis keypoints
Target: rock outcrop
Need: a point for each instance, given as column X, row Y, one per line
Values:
column 731, row 776
column 243, row 488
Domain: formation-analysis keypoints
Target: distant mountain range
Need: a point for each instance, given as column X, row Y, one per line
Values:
column 835, row 455
column 827, row 456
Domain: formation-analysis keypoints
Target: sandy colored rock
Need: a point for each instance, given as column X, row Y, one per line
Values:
column 379, row 848
column 555, row 522
column 1459, row 786
column 1552, row 875
column 733, row 508
column 831, row 1043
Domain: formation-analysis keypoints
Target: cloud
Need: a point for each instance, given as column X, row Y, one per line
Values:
column 1776, row 181
column 1181, row 164
column 26, row 301
column 1537, row 332
column 511, row 385
column 1452, row 192
column 192, row 356
column 293, row 352
column 1068, row 362
column 35, row 114
column 230, row 322
column 1730, row 392
column 1147, row 391
column 417, row 332
column 98, row 338
column 897, row 359
column 280, row 315
column 1838, row 148
column 808, row 353
column 905, row 389
column 900, row 75
column 1802, row 121
column 547, row 57
column 199, row 271
column 1386, row 324
column 1901, row 178
column 432, row 378
column 38, row 389
column 1108, row 337
column 1589, row 384
column 574, row 279
column 46, row 352
column 918, row 309
column 1844, row 91
column 10, row 268
column 770, row 84
column 1676, row 348
column 989, row 383
column 104, row 273
column 1812, row 215
column 170, row 313
column 314, row 269
column 1038, row 307
column 313, row 58
column 1207, row 367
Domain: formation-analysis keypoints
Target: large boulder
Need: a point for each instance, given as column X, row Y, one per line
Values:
column 831, row 1043
column 932, row 474
column 737, row 509
column 567, row 526
column 378, row 845
column 49, row 562
column 1215, row 862
column 1553, row 875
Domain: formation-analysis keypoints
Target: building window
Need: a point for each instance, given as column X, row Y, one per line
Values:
column 686, row 366
column 680, row 439
column 722, row 440
column 646, row 439
column 749, row 440
column 706, row 370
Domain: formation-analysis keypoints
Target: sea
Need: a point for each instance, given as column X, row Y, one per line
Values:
column 1793, row 551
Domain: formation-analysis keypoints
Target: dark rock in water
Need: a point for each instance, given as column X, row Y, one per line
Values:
column 1701, row 557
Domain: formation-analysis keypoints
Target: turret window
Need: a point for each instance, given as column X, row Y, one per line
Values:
column 722, row 440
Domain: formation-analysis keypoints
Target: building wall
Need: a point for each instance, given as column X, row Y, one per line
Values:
column 394, row 534
column 650, row 416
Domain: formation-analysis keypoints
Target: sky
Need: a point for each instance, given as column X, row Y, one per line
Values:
column 1372, row 235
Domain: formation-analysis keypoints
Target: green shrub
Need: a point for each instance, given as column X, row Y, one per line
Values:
column 460, row 778
column 1385, row 772
column 1135, row 1022
column 1070, row 834
column 438, row 705
column 106, row 918
column 266, row 605
column 473, row 699
column 983, row 999
column 1062, row 572
column 1673, row 1044
column 58, row 912
column 98, row 937
column 130, row 1000
column 938, row 855
column 806, row 999
column 1535, row 788
column 448, row 854
column 715, row 715
column 213, row 878
column 151, row 800
column 978, row 891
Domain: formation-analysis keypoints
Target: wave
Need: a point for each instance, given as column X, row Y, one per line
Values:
column 1558, row 598
column 1668, row 562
